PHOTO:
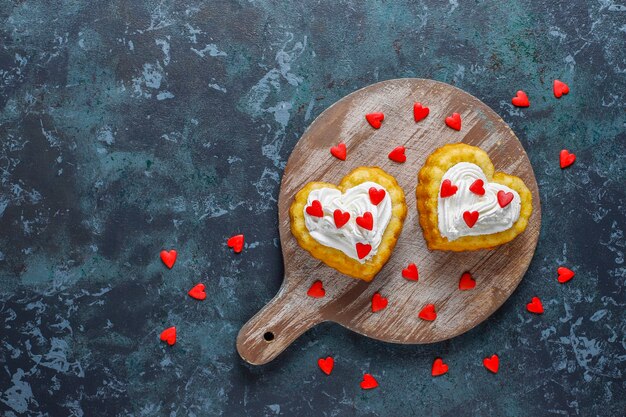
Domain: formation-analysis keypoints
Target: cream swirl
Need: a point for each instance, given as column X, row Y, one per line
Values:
column 357, row 202
column 492, row 218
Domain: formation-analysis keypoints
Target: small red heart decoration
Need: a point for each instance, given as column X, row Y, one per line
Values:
column 492, row 364
column 420, row 112
column 535, row 306
column 363, row 249
column 565, row 274
column 520, row 100
column 470, row 217
column 504, row 198
column 315, row 209
column 317, row 290
column 410, row 272
column 378, row 302
column 559, row 88
column 454, row 121
column 366, row 221
column 447, row 189
column 397, row 155
column 428, row 313
column 368, row 382
column 339, row 151
column 376, row 195
column 341, row 218
column 169, row 335
column 566, row 159
column 169, row 257
column 477, row 187
column 197, row 292
column 236, row 242
column 439, row 368
column 375, row 119
column 466, row 282
column 326, row 365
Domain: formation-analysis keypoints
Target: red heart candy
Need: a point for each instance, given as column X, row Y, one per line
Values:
column 428, row 313
column 315, row 209
column 317, row 290
column 520, row 100
column 447, row 189
column 565, row 274
column 378, row 302
column 397, row 155
column 504, row 198
column 169, row 335
column 492, row 363
column 439, row 368
column 466, row 282
column 420, row 112
column 169, row 258
column 197, row 292
column 559, row 88
column 363, row 249
column 470, row 217
column 368, row 382
column 341, row 218
column 535, row 306
column 410, row 272
column 236, row 242
column 326, row 365
column 366, row 221
column 566, row 159
column 454, row 121
column 376, row 196
column 477, row 187
column 375, row 119
column 339, row 151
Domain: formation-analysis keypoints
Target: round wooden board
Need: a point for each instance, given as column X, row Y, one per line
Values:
column 348, row 301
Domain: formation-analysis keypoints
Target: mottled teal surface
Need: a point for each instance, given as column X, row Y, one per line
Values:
column 131, row 126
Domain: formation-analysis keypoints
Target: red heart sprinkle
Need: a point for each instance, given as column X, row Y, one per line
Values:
column 454, row 121
column 428, row 313
column 315, row 209
column 169, row 258
column 477, row 187
column 326, row 365
column 341, row 218
column 169, row 335
column 466, row 282
column 565, row 274
column 197, row 292
column 410, row 272
column 535, row 306
column 363, row 249
column 375, row 119
column 447, row 189
column 366, row 221
column 492, row 364
column 420, row 112
column 339, row 151
column 317, row 290
column 504, row 198
column 397, row 155
column 368, row 382
column 520, row 100
column 559, row 88
column 439, row 368
column 566, row 159
column 236, row 242
column 470, row 217
column 378, row 302
column 376, row 196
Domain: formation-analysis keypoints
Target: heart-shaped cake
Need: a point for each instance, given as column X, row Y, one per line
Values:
column 464, row 205
column 352, row 227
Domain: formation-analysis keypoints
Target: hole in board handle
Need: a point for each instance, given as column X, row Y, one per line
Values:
column 268, row 337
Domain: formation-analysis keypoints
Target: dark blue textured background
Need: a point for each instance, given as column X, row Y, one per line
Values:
column 131, row 126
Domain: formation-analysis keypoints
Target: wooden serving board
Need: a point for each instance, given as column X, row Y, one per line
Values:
column 348, row 301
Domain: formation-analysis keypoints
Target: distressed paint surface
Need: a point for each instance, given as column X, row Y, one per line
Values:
column 130, row 127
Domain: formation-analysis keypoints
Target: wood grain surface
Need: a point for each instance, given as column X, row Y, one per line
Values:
column 348, row 301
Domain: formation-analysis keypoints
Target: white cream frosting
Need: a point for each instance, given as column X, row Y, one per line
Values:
column 355, row 201
column 491, row 217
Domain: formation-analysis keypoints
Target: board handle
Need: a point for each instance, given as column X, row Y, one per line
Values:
column 289, row 314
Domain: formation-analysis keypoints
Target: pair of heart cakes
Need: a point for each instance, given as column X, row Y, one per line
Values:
column 463, row 205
